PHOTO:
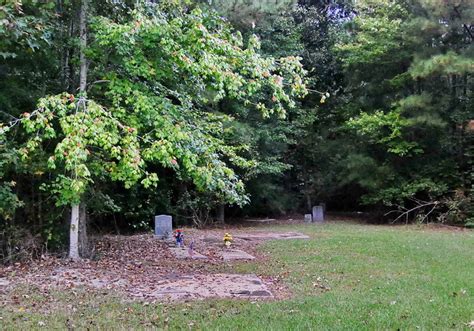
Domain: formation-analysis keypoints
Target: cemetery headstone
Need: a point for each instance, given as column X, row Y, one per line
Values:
column 323, row 204
column 163, row 226
column 318, row 214
column 308, row 218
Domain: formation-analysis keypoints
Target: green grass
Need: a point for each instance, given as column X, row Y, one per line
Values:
column 347, row 277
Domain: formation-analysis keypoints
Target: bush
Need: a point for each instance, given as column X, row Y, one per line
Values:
column 18, row 244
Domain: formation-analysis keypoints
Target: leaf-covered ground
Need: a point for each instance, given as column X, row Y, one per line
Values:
column 347, row 276
column 141, row 267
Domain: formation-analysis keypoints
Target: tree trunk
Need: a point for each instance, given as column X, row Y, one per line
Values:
column 78, row 222
column 221, row 213
column 308, row 201
column 74, row 233
column 83, row 45
column 84, row 249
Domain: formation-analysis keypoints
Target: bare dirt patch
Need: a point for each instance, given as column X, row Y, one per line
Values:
column 145, row 268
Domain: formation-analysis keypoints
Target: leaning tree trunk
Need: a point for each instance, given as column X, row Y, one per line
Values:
column 78, row 222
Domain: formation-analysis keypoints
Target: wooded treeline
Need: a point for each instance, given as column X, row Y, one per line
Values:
column 118, row 110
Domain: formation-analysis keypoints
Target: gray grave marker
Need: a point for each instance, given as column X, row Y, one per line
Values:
column 318, row 214
column 323, row 204
column 308, row 218
column 163, row 226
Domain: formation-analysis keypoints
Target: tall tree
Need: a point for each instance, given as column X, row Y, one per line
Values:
column 155, row 73
column 409, row 69
column 76, row 217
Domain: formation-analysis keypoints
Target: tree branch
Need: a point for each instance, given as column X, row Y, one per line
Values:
column 406, row 213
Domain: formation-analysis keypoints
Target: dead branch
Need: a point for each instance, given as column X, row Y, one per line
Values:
column 406, row 213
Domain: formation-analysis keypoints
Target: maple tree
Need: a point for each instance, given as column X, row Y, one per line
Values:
column 161, row 69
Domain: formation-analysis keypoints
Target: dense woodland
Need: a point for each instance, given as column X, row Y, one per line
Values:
column 114, row 111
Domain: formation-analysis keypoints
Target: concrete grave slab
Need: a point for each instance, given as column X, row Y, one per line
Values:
column 236, row 254
column 266, row 220
column 212, row 286
column 271, row 236
column 183, row 253
column 173, row 286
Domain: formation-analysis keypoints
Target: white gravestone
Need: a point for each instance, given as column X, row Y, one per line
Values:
column 323, row 204
column 163, row 226
column 318, row 214
column 308, row 218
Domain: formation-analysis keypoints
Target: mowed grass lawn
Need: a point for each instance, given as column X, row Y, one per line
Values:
column 347, row 277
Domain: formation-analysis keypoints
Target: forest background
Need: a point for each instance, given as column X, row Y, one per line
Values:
column 114, row 111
